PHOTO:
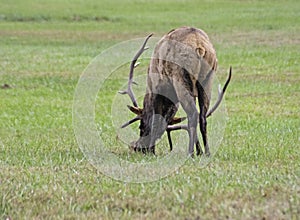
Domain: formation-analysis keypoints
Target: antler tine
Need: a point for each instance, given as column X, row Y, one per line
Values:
column 131, row 121
column 174, row 128
column 220, row 96
column 132, row 66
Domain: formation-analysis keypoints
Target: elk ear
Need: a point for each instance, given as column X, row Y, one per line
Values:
column 176, row 120
column 135, row 110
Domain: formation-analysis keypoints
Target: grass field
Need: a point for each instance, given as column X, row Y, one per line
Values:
column 46, row 45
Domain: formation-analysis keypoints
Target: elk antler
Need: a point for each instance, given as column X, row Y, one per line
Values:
column 138, row 111
column 135, row 109
column 220, row 96
column 132, row 66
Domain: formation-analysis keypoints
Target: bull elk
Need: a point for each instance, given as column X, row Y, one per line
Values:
column 181, row 69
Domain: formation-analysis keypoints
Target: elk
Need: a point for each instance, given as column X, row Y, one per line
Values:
column 181, row 69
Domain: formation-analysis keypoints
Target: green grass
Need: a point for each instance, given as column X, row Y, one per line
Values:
column 46, row 45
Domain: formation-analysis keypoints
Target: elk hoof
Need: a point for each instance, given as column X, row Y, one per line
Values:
column 207, row 154
column 132, row 146
column 191, row 154
column 199, row 152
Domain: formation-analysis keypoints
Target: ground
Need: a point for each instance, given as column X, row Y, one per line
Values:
column 45, row 47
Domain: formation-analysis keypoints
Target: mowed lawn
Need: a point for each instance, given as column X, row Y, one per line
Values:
column 46, row 45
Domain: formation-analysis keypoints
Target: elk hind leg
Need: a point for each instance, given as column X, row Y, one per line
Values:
column 203, row 105
column 189, row 106
column 198, row 148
